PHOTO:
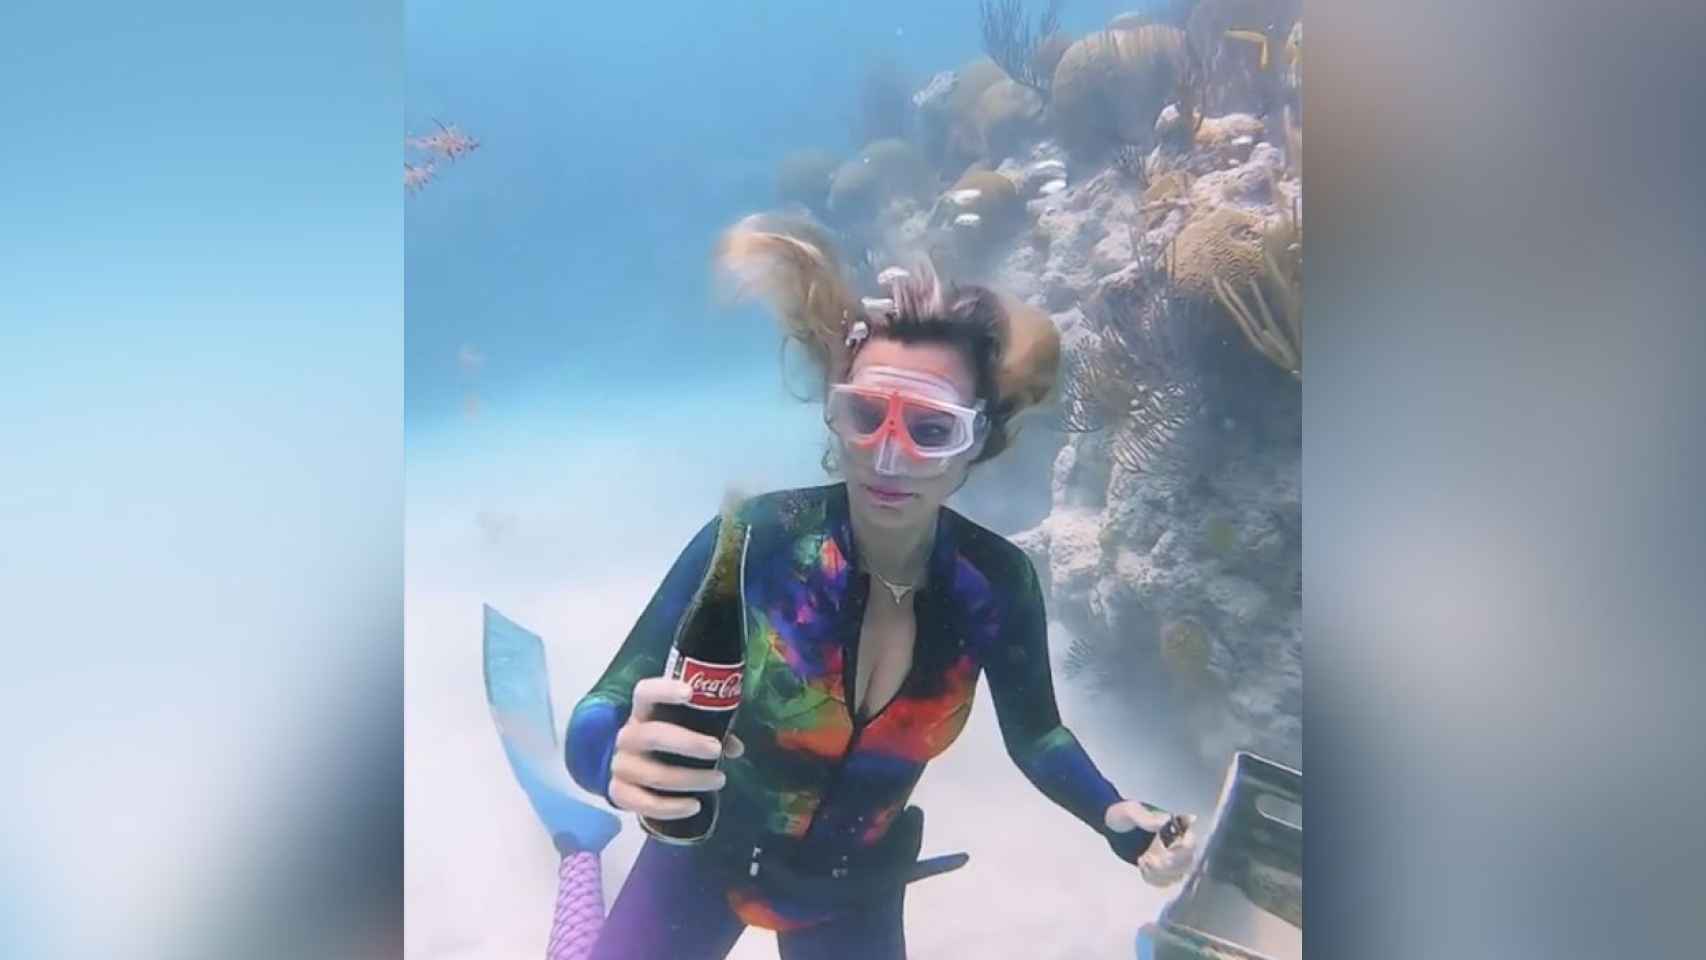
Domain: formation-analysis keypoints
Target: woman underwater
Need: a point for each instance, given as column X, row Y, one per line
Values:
column 849, row 690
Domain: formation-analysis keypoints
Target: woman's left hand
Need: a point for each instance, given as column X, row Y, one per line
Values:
column 1160, row 865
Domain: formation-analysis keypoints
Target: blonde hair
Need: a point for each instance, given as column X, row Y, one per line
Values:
column 791, row 265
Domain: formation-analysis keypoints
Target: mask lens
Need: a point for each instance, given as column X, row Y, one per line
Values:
column 933, row 430
column 856, row 415
column 865, row 414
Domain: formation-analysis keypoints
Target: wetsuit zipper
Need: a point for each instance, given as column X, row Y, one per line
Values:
column 850, row 675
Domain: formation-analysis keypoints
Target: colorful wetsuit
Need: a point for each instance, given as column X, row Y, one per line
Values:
column 811, row 771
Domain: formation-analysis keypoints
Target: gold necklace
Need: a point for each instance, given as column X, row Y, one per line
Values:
column 900, row 590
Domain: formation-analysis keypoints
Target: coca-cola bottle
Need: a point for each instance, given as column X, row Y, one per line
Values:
column 709, row 653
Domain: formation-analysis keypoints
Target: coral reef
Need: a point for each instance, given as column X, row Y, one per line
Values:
column 881, row 173
column 1175, row 495
column 973, row 78
column 1110, row 86
column 1149, row 230
column 1007, row 118
column 947, row 113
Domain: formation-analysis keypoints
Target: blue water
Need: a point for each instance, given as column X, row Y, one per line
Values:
column 571, row 249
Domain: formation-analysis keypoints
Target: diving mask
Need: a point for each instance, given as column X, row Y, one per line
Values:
column 911, row 421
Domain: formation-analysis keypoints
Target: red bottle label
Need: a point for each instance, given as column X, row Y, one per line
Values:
column 716, row 686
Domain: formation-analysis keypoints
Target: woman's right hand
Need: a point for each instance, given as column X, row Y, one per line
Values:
column 636, row 775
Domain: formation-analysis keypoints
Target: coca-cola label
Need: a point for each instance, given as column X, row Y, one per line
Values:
column 716, row 686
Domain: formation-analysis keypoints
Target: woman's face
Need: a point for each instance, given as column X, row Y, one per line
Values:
column 891, row 489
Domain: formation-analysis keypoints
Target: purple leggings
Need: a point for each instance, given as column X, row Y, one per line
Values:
column 670, row 908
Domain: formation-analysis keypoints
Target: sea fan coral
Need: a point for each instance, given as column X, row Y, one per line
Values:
column 1159, row 439
column 1049, row 51
column 1133, row 161
column 1084, row 658
column 1099, row 384
column 1010, row 41
column 1135, row 374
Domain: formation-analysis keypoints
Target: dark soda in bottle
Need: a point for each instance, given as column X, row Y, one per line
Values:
column 709, row 654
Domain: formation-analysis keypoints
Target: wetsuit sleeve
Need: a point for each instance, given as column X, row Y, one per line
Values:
column 590, row 743
column 1040, row 745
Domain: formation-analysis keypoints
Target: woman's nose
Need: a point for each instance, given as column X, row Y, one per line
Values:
column 888, row 457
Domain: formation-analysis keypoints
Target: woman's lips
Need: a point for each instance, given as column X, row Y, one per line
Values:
column 887, row 495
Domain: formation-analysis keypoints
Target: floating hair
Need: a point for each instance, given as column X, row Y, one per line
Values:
column 1030, row 354
column 790, row 264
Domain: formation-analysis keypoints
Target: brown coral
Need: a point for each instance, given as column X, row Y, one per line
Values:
column 884, row 171
column 956, row 116
column 970, row 220
column 1225, row 244
column 969, row 83
column 1008, row 116
column 997, row 201
column 1110, row 86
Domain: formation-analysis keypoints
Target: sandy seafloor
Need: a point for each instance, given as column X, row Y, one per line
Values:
column 565, row 517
